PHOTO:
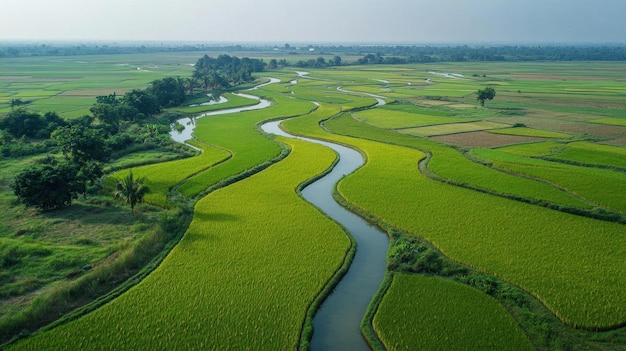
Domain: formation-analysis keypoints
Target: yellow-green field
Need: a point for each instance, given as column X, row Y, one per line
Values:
column 547, row 215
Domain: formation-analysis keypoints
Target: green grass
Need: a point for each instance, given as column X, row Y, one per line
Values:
column 425, row 313
column 610, row 121
column 452, row 128
column 602, row 186
column 383, row 118
column 243, row 276
column 544, row 148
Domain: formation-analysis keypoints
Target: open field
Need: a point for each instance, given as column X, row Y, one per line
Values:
column 540, row 207
column 416, row 315
column 69, row 85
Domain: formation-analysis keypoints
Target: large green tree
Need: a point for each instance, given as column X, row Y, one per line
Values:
column 485, row 94
column 169, row 91
column 80, row 144
column 84, row 148
column 47, row 187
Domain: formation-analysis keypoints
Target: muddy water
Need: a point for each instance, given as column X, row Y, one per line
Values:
column 337, row 322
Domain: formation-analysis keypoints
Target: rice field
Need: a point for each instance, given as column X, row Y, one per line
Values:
column 582, row 181
column 242, row 277
column 256, row 255
column 237, row 134
column 415, row 314
column 454, row 128
column 512, row 240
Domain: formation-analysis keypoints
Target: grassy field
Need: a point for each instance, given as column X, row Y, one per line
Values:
column 69, row 85
column 415, row 314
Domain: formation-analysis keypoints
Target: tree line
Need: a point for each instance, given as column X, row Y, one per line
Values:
column 116, row 123
column 390, row 53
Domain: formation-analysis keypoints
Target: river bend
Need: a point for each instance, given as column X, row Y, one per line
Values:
column 337, row 322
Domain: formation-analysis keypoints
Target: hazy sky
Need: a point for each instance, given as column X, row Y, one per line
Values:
column 318, row 21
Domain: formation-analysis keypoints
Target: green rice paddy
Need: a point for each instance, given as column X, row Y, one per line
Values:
column 414, row 314
column 256, row 255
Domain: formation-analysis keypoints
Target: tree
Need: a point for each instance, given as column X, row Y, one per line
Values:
column 144, row 101
column 16, row 103
column 337, row 61
column 21, row 122
column 131, row 190
column 169, row 92
column 485, row 94
column 273, row 64
column 47, row 187
column 80, row 144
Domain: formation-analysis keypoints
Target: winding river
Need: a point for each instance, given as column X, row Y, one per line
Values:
column 190, row 122
column 337, row 322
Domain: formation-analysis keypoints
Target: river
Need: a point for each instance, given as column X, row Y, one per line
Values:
column 337, row 322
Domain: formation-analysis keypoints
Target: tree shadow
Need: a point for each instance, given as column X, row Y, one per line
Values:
column 92, row 214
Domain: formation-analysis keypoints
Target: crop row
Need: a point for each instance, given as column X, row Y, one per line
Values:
column 384, row 118
column 527, row 245
column 253, row 259
column 427, row 313
column 237, row 134
column 452, row 166
column 602, row 186
column 531, row 132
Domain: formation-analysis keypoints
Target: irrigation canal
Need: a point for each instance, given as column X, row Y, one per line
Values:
column 337, row 322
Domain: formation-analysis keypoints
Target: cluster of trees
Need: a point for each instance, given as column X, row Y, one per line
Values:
column 26, row 49
column 53, row 183
column 85, row 143
column 116, row 123
column 224, row 71
column 319, row 62
column 399, row 55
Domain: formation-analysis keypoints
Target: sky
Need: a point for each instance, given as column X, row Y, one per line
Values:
column 317, row 21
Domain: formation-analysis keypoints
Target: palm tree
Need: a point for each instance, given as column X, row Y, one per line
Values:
column 131, row 190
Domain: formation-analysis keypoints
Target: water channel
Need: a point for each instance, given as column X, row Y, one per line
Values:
column 337, row 322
